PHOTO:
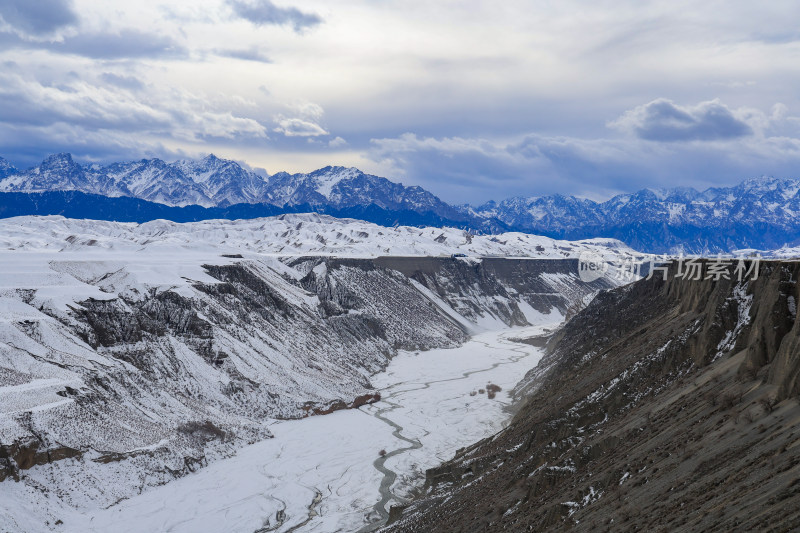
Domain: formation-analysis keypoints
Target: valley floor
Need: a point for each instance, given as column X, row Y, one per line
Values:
column 338, row 472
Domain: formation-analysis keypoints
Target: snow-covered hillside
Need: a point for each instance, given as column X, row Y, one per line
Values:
column 133, row 354
column 785, row 252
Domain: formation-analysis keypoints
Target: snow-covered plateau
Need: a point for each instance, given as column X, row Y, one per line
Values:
column 291, row 234
column 132, row 355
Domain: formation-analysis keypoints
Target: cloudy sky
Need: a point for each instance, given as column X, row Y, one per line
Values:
column 473, row 100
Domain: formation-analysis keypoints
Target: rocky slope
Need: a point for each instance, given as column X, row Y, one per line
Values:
column 128, row 367
column 664, row 405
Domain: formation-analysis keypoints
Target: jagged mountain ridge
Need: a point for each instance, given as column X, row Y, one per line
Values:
column 177, row 184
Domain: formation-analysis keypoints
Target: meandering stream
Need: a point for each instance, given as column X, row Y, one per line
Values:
column 396, row 392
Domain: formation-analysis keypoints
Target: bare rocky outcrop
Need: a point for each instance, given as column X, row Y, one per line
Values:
column 664, row 405
column 23, row 455
column 498, row 286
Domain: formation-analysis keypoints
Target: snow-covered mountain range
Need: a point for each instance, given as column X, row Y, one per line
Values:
column 758, row 213
column 212, row 181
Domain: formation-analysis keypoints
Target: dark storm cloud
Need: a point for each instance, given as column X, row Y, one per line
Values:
column 251, row 54
column 264, row 12
column 127, row 44
column 26, row 146
column 38, row 17
column 663, row 120
column 461, row 169
column 475, row 170
column 125, row 82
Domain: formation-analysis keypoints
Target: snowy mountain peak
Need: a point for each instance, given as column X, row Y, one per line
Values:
column 64, row 158
column 208, row 182
column 57, row 172
column 327, row 178
column 681, row 193
column 200, row 171
column 59, row 163
column 191, row 165
column 759, row 182
column 6, row 168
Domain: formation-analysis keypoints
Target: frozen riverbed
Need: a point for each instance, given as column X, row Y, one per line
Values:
column 328, row 473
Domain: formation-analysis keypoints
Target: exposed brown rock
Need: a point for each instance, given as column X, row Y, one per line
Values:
column 24, row 455
column 635, row 421
column 311, row 409
column 492, row 390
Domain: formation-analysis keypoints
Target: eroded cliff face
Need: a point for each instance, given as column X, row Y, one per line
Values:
column 663, row 405
column 152, row 382
column 500, row 292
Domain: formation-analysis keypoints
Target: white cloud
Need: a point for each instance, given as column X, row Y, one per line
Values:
column 337, row 142
column 304, row 123
column 264, row 12
column 297, row 127
column 82, row 114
